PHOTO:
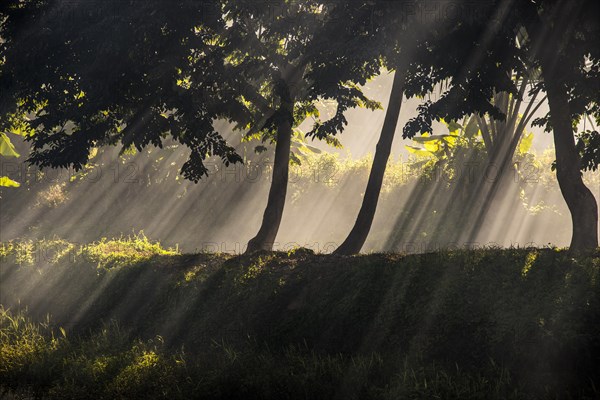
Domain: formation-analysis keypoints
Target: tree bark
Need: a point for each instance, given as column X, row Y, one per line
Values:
column 579, row 199
column 550, row 33
column 265, row 238
column 358, row 235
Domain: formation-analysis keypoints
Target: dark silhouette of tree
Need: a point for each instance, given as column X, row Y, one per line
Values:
column 137, row 74
column 88, row 74
column 561, row 41
column 564, row 43
column 358, row 235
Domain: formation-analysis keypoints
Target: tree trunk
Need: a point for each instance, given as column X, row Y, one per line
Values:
column 358, row 235
column 579, row 199
column 265, row 238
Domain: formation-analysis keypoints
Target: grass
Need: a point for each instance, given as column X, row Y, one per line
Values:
column 122, row 251
column 130, row 319
column 107, row 365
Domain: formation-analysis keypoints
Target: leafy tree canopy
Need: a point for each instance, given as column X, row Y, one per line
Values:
column 82, row 75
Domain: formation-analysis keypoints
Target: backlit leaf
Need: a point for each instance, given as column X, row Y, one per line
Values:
column 7, row 182
column 6, row 147
column 526, row 142
column 418, row 151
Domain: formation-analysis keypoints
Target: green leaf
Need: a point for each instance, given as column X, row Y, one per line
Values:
column 252, row 136
column 472, row 128
column 6, row 147
column 260, row 149
column 21, row 128
column 313, row 149
column 433, row 146
column 432, row 138
column 333, row 142
column 450, row 140
column 294, row 159
column 7, row 182
column 418, row 151
column 452, row 126
column 526, row 142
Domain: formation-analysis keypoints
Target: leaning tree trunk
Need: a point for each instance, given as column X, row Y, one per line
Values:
column 358, row 235
column 265, row 238
column 579, row 199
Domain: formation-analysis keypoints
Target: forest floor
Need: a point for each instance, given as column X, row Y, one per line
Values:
column 126, row 318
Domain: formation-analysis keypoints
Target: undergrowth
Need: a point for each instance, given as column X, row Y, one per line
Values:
column 37, row 362
column 130, row 319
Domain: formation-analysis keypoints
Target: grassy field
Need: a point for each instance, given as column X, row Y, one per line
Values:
column 126, row 318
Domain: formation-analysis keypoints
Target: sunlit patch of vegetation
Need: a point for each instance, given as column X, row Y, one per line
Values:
column 529, row 262
column 31, row 252
column 22, row 251
column 125, row 250
column 22, row 341
column 256, row 268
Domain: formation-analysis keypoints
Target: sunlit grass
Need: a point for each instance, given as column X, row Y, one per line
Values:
column 31, row 252
column 124, row 250
column 22, row 342
column 529, row 262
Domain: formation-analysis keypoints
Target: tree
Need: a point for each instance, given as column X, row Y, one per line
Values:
column 165, row 71
column 569, row 69
column 358, row 235
column 113, row 75
column 423, row 56
column 293, row 45
column 397, row 35
column 564, row 43
column 296, row 59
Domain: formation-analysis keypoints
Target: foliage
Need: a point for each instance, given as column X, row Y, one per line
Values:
column 174, row 73
column 124, row 250
column 274, row 325
column 588, row 145
column 463, row 145
column 104, row 253
column 7, row 149
column 109, row 76
column 444, row 147
column 474, row 86
column 108, row 365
